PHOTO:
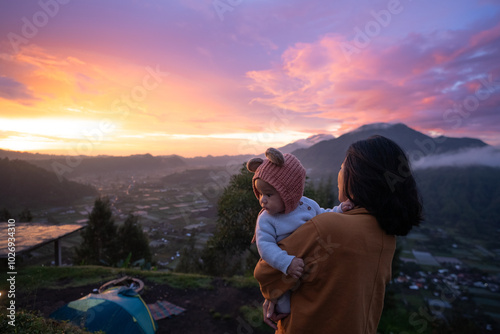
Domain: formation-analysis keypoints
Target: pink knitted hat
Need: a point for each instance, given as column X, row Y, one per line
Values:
column 282, row 171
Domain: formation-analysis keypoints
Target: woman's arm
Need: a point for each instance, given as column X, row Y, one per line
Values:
column 302, row 242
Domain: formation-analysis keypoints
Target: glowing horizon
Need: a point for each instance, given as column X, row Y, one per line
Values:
column 191, row 79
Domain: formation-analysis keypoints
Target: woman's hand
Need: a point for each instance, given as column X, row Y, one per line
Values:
column 270, row 316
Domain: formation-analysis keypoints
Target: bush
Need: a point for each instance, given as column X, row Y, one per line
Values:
column 30, row 323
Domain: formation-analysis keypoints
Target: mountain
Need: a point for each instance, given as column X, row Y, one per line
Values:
column 305, row 143
column 23, row 185
column 27, row 156
column 319, row 153
column 325, row 157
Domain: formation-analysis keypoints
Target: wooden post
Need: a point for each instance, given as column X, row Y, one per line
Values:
column 57, row 252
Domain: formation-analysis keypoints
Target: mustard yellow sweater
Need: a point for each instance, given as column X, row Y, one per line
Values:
column 347, row 266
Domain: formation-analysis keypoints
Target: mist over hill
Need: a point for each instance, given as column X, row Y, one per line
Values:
column 483, row 156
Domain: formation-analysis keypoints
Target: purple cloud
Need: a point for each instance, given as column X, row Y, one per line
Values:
column 11, row 89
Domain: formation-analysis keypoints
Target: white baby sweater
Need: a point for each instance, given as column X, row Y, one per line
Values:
column 273, row 228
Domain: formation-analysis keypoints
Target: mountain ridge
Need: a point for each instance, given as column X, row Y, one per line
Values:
column 416, row 144
column 311, row 152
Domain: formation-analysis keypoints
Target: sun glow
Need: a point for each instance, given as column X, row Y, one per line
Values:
column 28, row 143
column 54, row 128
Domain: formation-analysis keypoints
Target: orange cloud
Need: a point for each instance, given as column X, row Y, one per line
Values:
column 147, row 108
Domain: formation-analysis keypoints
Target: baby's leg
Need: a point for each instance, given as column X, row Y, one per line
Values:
column 283, row 303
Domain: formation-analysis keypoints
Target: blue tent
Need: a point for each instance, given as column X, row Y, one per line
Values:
column 115, row 311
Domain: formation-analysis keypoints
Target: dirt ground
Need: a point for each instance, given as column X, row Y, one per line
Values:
column 213, row 310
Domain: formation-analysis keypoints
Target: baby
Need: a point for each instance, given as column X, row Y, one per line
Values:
column 278, row 184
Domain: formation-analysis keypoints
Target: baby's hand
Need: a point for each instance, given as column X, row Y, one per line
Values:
column 347, row 205
column 296, row 268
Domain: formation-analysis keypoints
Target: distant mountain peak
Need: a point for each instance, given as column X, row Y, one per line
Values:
column 306, row 142
column 378, row 126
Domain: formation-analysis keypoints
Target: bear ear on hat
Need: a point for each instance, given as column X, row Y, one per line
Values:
column 253, row 164
column 275, row 156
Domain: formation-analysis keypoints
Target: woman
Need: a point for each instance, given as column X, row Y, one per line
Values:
column 347, row 256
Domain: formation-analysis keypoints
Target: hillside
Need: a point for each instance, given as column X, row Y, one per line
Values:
column 463, row 198
column 23, row 185
column 112, row 164
column 327, row 156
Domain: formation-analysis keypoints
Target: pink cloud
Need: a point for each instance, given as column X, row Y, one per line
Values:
column 414, row 80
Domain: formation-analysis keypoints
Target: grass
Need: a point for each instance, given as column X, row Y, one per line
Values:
column 31, row 323
column 252, row 317
column 32, row 278
column 181, row 281
column 242, row 282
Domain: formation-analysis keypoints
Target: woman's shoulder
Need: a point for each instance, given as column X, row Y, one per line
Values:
column 348, row 222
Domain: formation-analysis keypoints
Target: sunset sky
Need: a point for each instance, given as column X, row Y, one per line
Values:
column 199, row 77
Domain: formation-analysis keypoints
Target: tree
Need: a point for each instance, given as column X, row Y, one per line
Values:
column 324, row 194
column 5, row 215
column 190, row 260
column 99, row 237
column 25, row 216
column 237, row 212
column 132, row 240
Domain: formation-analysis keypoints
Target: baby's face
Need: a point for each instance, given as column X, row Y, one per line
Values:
column 269, row 198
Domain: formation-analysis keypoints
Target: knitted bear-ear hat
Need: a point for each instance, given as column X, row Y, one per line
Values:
column 282, row 171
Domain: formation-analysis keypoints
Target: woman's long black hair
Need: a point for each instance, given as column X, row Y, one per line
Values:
column 377, row 176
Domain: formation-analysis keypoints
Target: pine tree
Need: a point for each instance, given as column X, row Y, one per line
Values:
column 99, row 237
column 132, row 240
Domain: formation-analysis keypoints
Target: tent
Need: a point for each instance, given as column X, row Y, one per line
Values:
column 115, row 311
